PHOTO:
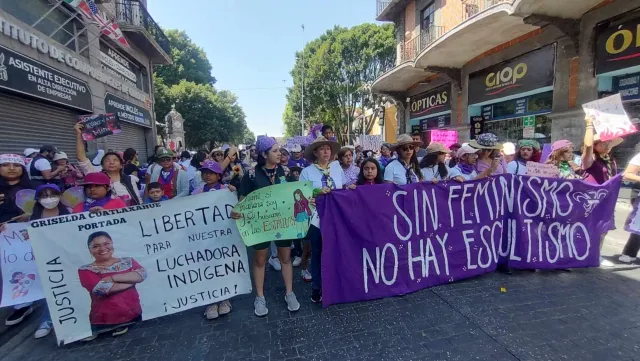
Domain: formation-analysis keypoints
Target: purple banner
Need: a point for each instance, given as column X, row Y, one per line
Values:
column 400, row 239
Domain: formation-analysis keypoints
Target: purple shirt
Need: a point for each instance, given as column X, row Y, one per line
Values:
column 598, row 173
column 302, row 163
column 481, row 166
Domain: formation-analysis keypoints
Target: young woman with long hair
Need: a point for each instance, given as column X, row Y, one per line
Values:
column 562, row 157
column 432, row 165
column 370, row 173
column 405, row 169
column 528, row 151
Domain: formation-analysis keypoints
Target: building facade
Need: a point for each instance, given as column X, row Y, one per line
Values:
column 518, row 68
column 55, row 66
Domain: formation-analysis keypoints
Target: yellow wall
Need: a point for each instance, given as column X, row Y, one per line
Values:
column 390, row 124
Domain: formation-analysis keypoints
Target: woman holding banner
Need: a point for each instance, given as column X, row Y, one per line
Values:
column 267, row 172
column 111, row 283
column 465, row 170
column 528, row 151
column 405, row 169
column 432, row 165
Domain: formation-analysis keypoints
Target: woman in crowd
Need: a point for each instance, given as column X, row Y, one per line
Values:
column 267, row 172
column 528, row 151
column 171, row 176
column 122, row 186
column 193, row 170
column 489, row 148
column 405, row 169
column 370, row 173
column 386, row 156
column 597, row 163
column 465, row 170
column 47, row 206
column 233, row 167
column 432, row 165
column 453, row 155
column 284, row 157
column 111, row 283
column 345, row 158
column 217, row 155
column 98, row 194
column 632, row 174
column 13, row 178
column 70, row 176
column 131, row 164
column 326, row 176
column 562, row 157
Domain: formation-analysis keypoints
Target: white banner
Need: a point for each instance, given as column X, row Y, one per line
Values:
column 121, row 266
column 20, row 281
column 370, row 142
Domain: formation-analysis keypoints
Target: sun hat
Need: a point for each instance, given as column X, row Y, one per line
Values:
column 59, row 156
column 12, row 158
column 528, row 143
column 509, row 148
column 164, row 153
column 212, row 166
column 97, row 178
column 29, row 151
column 437, row 147
column 612, row 142
column 264, row 144
column 296, row 148
column 405, row 139
column 560, row 144
column 319, row 142
column 217, row 150
column 466, row 149
column 486, row 141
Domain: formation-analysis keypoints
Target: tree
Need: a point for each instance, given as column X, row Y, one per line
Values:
column 190, row 62
column 249, row 137
column 339, row 66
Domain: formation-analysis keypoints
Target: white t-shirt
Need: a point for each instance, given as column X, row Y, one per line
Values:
column 432, row 172
column 312, row 174
column 456, row 172
column 518, row 169
column 42, row 164
column 396, row 172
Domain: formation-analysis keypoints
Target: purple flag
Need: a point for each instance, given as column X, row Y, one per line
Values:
column 389, row 240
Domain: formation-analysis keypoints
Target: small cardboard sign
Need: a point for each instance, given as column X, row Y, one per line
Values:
column 610, row 119
column 542, row 170
column 370, row 142
column 447, row 137
column 99, row 125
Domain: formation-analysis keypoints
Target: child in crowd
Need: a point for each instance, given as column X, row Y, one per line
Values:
column 156, row 193
column 370, row 173
column 211, row 173
column 97, row 191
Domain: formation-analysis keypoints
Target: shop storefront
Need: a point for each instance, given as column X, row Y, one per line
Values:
column 430, row 111
column 512, row 99
column 618, row 71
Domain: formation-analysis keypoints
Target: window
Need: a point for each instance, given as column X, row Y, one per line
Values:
column 58, row 24
column 428, row 16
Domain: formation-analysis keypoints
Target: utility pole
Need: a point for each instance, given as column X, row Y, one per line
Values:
column 302, row 114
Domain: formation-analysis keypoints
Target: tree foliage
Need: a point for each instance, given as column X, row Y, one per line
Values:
column 212, row 117
column 338, row 68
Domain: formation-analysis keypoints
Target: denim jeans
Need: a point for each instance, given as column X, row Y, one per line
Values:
column 315, row 237
column 46, row 315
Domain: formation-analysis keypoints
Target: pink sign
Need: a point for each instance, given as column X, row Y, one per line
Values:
column 610, row 119
column 447, row 137
column 542, row 170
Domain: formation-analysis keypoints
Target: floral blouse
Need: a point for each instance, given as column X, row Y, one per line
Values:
column 351, row 175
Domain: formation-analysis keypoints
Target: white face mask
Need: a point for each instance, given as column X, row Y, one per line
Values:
column 50, row 203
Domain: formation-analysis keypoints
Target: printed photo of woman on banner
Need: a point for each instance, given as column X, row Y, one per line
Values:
column 111, row 283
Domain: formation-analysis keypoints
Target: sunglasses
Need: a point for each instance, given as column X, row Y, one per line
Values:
column 165, row 159
column 407, row 148
column 218, row 154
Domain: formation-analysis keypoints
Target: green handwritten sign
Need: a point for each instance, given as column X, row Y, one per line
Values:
column 277, row 212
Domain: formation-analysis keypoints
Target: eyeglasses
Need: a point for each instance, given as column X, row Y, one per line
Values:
column 407, row 148
column 165, row 159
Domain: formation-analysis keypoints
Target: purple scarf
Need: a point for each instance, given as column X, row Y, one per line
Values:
column 216, row 187
column 465, row 168
column 90, row 203
column 168, row 178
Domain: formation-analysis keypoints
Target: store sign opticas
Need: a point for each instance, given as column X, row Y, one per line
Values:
column 527, row 72
column 618, row 47
column 29, row 39
column 431, row 102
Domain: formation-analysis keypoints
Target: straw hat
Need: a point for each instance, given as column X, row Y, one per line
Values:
column 405, row 139
column 437, row 147
column 319, row 142
column 486, row 141
column 612, row 142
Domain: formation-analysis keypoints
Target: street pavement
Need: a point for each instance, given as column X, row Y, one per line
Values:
column 583, row 315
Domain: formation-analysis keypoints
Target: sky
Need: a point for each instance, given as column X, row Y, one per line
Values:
column 251, row 44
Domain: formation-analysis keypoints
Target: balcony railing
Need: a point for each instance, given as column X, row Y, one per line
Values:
column 134, row 13
column 473, row 7
column 381, row 5
column 413, row 47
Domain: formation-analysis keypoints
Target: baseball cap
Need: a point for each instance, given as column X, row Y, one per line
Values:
column 164, row 153
column 97, row 178
column 212, row 166
column 466, row 149
column 29, row 151
column 296, row 148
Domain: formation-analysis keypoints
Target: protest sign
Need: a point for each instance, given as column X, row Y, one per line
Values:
column 276, row 212
column 610, row 119
column 99, row 125
column 99, row 270
column 422, row 235
column 546, row 152
column 297, row 140
column 447, row 137
column 542, row 170
column 20, row 281
column 370, row 142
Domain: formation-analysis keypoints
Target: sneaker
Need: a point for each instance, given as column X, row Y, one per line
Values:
column 292, row 302
column 43, row 330
column 275, row 263
column 18, row 316
column 297, row 261
column 119, row 331
column 626, row 259
column 316, row 296
column 606, row 263
column 224, row 307
column 306, row 275
column 90, row 338
column 260, row 305
column 211, row 312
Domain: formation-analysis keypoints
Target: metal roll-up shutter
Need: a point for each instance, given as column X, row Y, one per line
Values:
column 132, row 136
column 26, row 123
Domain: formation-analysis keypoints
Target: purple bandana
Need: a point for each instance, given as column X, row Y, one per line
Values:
column 90, row 203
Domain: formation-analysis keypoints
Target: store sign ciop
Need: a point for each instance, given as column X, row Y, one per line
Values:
column 29, row 39
column 507, row 77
